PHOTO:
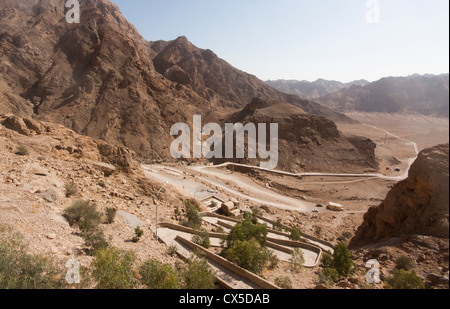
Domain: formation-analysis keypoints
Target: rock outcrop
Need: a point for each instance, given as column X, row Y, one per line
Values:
column 307, row 142
column 418, row 205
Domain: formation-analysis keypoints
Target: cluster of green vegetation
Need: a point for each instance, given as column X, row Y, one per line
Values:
column 192, row 216
column 111, row 268
column 22, row 150
column 404, row 277
column 245, row 245
column 201, row 238
column 21, row 270
column 405, row 280
column 84, row 216
column 337, row 266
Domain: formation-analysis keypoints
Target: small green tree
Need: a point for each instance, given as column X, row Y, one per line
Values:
column 405, row 280
column 138, row 233
column 343, row 260
column 247, row 230
column 113, row 269
column 110, row 213
column 155, row 275
column 296, row 234
column 248, row 254
column 193, row 219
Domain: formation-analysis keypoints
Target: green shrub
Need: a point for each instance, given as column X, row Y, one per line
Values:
column 248, row 254
column 327, row 261
column 22, row 150
column 404, row 280
column 278, row 226
column 202, row 239
column 138, row 233
column 82, row 214
column 172, row 250
column 193, row 219
column 328, row 276
column 22, row 270
column 340, row 263
column 405, row 262
column 71, row 189
column 273, row 261
column 296, row 234
column 110, row 214
column 283, row 282
column 155, row 275
column 318, row 231
column 198, row 275
column 246, row 230
column 95, row 240
column 113, row 269
column 347, row 235
column 297, row 259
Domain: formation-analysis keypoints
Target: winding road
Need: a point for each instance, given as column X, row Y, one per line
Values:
column 194, row 179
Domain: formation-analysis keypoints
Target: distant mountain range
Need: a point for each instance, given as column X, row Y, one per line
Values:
column 312, row 90
column 415, row 94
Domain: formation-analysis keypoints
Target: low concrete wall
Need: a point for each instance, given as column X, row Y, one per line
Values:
column 323, row 242
column 188, row 230
column 231, row 266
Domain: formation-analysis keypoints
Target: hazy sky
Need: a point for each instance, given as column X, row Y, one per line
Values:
column 306, row 40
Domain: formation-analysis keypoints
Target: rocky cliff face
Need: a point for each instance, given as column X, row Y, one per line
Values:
column 418, row 205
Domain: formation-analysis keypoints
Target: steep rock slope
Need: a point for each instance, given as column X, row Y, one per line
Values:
column 418, row 205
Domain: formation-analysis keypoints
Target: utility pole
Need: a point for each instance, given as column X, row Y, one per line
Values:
column 157, row 202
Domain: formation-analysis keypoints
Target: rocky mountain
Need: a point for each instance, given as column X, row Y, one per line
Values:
column 418, row 205
column 102, row 79
column 219, row 82
column 308, row 142
column 425, row 95
column 312, row 90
